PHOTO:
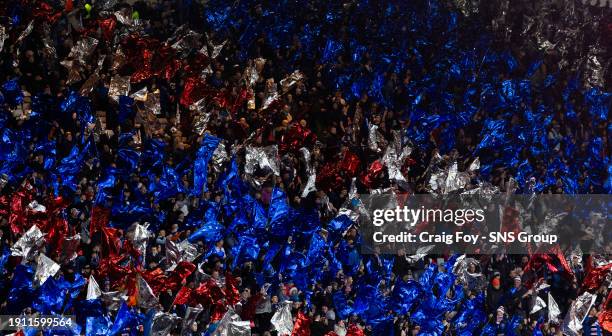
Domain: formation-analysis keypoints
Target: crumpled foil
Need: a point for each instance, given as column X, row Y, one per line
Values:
column 395, row 157
column 271, row 94
column 35, row 207
column 376, row 141
column 163, row 323
column 290, row 81
column 140, row 95
column 146, row 299
column 200, row 116
column 190, row 41
column 91, row 82
column 93, row 289
column 572, row 324
column 25, row 33
column 312, row 173
column 112, row 300
column 124, row 18
column 119, row 86
column 447, row 180
column 139, row 236
column 594, row 69
column 118, row 60
column 264, row 157
column 83, row 49
column 474, row 281
column 70, row 248
column 45, row 268
column 183, row 251
column 219, row 157
column 3, row 181
column 421, row 252
column 173, row 255
column 152, row 103
column 467, row 7
column 2, row 37
column 191, row 316
column 251, row 76
column 475, row 165
column 239, row 328
column 29, row 244
column 282, row 320
column 216, row 49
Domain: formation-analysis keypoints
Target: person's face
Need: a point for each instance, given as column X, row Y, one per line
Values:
column 517, row 283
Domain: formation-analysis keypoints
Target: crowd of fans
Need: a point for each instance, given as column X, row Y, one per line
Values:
column 550, row 136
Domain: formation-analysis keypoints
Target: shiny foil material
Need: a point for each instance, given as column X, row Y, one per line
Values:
column 93, row 289
column 119, row 86
column 45, row 268
column 83, row 49
column 163, row 323
column 291, row 80
column 146, row 298
column 28, row 245
column 264, row 157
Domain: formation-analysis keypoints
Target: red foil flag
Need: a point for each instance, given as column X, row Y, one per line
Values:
column 302, row 325
column 595, row 277
column 108, row 27
column 354, row 330
column 328, row 177
column 99, row 219
column 349, row 163
column 605, row 317
column 184, row 296
column 110, row 241
column 296, row 138
column 373, row 172
column 231, row 289
column 19, row 202
column 178, row 275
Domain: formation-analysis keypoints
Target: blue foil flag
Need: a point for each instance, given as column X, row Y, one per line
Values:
column 125, row 319
column 211, row 231
column 200, row 166
column 97, row 326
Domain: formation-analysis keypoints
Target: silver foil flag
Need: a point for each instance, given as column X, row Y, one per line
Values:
column 282, row 321
column 25, row 32
column 290, row 81
column 537, row 304
column 93, row 289
column 163, row 323
column 139, row 236
column 112, row 300
column 28, row 244
column 312, row 173
column 140, row 95
column 45, row 268
column 82, row 49
column 578, row 311
column 219, row 157
column 375, row 139
column 2, row 37
column 146, row 299
column 239, row 328
column 264, row 157
column 271, row 94
column 553, row 309
column 475, row 165
column 190, row 317
column 223, row 327
column 119, row 86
